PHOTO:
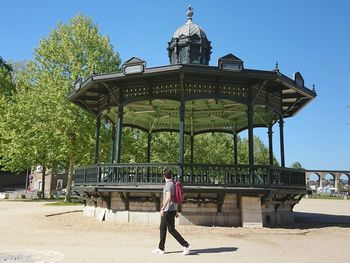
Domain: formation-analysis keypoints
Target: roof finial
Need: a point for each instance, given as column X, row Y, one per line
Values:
column 313, row 88
column 189, row 13
column 277, row 67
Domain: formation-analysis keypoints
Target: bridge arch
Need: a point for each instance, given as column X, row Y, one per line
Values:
column 337, row 179
column 329, row 179
column 313, row 180
column 344, row 182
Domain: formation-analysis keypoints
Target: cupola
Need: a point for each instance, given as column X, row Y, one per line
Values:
column 189, row 44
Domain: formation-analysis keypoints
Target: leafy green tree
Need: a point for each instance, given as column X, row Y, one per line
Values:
column 216, row 148
column 6, row 84
column 261, row 152
column 30, row 133
column 134, row 146
column 165, row 147
column 72, row 50
column 6, row 92
column 296, row 165
column 213, row 148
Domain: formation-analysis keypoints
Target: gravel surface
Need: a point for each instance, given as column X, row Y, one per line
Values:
column 36, row 232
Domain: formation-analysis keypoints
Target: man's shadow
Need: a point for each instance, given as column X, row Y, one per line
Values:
column 209, row 250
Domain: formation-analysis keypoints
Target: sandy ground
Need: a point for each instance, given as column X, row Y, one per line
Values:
column 322, row 234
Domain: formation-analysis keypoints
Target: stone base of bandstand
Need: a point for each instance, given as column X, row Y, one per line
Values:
column 278, row 214
column 233, row 210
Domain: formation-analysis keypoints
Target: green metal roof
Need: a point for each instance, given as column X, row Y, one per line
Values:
column 215, row 99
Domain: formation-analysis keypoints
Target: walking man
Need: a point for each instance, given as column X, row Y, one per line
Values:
column 168, row 212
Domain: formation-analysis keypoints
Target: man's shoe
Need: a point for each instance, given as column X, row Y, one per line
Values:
column 186, row 250
column 158, row 251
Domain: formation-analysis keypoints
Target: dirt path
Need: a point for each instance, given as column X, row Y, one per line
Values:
column 27, row 232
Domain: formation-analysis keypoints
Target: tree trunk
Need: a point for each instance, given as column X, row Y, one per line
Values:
column 43, row 174
column 70, row 177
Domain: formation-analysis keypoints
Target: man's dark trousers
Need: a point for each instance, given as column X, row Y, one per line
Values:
column 168, row 222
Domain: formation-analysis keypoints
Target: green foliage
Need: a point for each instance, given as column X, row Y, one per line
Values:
column 209, row 148
column 134, row 146
column 213, row 148
column 41, row 125
column 30, row 133
column 165, row 148
column 261, row 152
column 76, row 49
column 6, row 84
column 4, row 65
column 296, row 165
column 6, row 92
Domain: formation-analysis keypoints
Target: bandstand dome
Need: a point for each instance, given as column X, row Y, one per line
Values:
column 189, row 44
column 189, row 29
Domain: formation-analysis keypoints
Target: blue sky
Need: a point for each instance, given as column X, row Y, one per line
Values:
column 312, row 37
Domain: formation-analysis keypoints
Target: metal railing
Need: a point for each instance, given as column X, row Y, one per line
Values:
column 192, row 174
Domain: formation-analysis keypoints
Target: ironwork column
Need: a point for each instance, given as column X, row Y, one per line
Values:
column 250, row 116
column 270, row 132
column 235, row 149
column 119, row 133
column 113, row 144
column 182, row 137
column 250, row 113
column 97, row 138
column 149, row 140
column 192, row 147
column 281, row 122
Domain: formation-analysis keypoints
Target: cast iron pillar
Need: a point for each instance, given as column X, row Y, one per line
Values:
column 113, row 144
column 182, row 137
column 235, row 149
column 270, row 132
column 149, row 140
column 282, row 141
column 97, row 138
column 235, row 152
column 119, row 133
column 192, row 147
column 250, row 134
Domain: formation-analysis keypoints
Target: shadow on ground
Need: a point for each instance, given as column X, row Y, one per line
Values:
column 209, row 250
column 316, row 220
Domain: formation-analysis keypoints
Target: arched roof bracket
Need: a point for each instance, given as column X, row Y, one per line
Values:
column 87, row 107
column 111, row 93
column 261, row 86
column 261, row 118
column 277, row 113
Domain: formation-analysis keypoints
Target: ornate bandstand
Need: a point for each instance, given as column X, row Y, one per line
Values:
column 190, row 97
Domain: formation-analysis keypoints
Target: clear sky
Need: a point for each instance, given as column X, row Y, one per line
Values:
column 312, row 37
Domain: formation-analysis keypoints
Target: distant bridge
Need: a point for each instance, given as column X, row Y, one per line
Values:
column 322, row 174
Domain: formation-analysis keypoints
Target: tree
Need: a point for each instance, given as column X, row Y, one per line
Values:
column 70, row 51
column 6, row 92
column 216, row 148
column 30, row 133
column 261, row 152
column 213, row 148
column 297, row 165
column 6, row 84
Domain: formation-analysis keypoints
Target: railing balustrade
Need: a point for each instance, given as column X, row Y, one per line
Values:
column 192, row 174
